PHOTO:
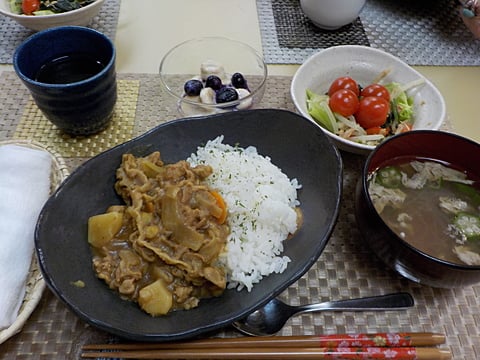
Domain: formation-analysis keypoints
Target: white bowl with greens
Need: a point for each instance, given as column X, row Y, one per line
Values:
column 47, row 14
column 414, row 102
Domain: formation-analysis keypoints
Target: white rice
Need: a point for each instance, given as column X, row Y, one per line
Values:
column 260, row 200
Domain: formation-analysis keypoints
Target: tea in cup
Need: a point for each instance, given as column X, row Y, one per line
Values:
column 70, row 73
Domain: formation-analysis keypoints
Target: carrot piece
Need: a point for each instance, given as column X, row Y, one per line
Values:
column 376, row 130
column 405, row 127
column 373, row 130
column 222, row 205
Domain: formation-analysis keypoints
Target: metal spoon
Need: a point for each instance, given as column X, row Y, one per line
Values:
column 270, row 319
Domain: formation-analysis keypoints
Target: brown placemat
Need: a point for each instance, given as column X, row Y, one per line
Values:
column 345, row 269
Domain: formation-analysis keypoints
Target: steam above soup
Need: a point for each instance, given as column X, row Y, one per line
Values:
column 432, row 206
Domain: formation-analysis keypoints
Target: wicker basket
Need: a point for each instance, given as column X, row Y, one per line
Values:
column 35, row 283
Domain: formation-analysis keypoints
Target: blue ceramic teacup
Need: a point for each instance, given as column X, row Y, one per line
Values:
column 70, row 72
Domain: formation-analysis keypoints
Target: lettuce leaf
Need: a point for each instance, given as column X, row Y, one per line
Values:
column 402, row 104
column 317, row 106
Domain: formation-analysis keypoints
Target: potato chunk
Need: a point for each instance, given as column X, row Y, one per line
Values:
column 155, row 298
column 103, row 227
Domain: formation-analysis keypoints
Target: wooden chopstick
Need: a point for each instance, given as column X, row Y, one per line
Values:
column 403, row 353
column 403, row 345
column 344, row 340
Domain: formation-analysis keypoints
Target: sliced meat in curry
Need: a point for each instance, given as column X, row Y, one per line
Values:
column 161, row 249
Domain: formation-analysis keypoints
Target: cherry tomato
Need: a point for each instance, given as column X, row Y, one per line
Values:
column 29, row 6
column 376, row 90
column 372, row 111
column 344, row 82
column 344, row 102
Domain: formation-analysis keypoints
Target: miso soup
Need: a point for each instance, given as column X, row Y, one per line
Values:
column 430, row 205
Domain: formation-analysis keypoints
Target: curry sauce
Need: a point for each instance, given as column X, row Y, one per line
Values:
column 161, row 249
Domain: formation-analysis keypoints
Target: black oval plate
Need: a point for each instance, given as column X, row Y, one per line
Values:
column 293, row 143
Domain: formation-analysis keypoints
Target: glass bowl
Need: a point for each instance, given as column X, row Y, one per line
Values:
column 197, row 58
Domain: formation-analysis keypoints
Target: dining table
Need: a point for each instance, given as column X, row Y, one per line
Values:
column 144, row 30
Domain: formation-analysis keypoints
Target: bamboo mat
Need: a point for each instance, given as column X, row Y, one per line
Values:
column 345, row 269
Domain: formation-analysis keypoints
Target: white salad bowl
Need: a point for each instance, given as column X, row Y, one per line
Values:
column 79, row 17
column 365, row 64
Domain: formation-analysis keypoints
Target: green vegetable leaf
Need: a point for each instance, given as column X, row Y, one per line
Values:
column 65, row 5
column 317, row 106
column 16, row 6
column 401, row 104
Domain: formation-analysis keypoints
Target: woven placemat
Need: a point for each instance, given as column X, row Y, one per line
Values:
column 12, row 33
column 346, row 268
column 428, row 32
column 34, row 125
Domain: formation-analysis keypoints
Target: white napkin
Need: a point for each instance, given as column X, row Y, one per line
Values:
column 24, row 188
